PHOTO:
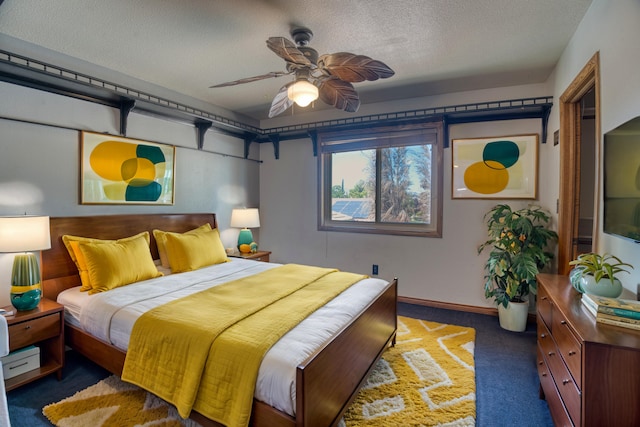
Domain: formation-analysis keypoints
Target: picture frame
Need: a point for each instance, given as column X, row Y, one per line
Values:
column 502, row 167
column 118, row 170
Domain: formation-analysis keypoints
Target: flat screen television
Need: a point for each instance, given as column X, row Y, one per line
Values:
column 621, row 161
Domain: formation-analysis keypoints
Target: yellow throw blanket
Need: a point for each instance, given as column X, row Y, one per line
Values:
column 204, row 351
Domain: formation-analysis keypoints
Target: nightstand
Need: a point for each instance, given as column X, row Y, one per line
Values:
column 43, row 327
column 258, row 256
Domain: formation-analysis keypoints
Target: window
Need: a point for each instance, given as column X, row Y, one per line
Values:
column 386, row 180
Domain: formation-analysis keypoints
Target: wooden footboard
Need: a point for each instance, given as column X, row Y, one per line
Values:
column 326, row 383
column 329, row 380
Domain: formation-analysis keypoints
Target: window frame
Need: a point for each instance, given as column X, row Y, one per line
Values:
column 379, row 138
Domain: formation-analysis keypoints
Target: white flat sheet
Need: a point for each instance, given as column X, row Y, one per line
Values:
column 110, row 316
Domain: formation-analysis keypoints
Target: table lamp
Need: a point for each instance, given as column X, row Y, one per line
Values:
column 245, row 219
column 25, row 234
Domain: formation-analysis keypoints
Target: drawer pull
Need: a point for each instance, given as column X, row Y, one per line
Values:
column 543, row 335
column 17, row 366
column 543, row 298
column 551, row 353
column 571, row 353
column 28, row 327
column 565, row 382
column 563, row 322
column 544, row 374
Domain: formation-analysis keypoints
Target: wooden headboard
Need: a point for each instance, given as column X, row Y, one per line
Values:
column 58, row 270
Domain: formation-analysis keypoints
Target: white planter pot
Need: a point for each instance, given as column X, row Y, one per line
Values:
column 514, row 316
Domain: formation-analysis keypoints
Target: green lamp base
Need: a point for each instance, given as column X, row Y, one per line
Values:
column 26, row 290
column 245, row 238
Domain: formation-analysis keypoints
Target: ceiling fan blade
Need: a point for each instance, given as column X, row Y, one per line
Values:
column 353, row 68
column 288, row 51
column 339, row 93
column 253, row 79
column 281, row 101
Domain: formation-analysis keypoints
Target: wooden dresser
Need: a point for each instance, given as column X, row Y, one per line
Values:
column 589, row 372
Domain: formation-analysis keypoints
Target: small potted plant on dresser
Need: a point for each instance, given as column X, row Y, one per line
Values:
column 596, row 274
column 518, row 241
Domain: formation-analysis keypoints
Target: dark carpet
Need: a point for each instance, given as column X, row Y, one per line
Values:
column 506, row 375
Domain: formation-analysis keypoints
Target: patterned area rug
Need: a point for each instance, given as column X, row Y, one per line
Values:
column 427, row 379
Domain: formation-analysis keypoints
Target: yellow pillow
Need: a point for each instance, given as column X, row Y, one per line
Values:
column 119, row 263
column 161, row 240
column 72, row 245
column 187, row 252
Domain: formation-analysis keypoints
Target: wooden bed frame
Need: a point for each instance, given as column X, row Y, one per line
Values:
column 326, row 383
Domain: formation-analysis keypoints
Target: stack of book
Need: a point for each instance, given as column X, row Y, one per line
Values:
column 613, row 311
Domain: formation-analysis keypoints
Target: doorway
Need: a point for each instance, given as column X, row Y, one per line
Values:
column 579, row 165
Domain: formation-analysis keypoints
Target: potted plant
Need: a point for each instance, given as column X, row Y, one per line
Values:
column 596, row 274
column 517, row 241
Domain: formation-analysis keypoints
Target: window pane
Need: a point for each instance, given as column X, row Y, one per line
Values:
column 383, row 180
column 405, row 182
column 353, row 186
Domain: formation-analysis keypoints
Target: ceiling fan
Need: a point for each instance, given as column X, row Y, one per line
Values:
column 327, row 76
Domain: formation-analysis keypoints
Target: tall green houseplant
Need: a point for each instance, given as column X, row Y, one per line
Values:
column 517, row 241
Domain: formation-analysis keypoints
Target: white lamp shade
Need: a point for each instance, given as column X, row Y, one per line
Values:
column 24, row 233
column 302, row 93
column 245, row 218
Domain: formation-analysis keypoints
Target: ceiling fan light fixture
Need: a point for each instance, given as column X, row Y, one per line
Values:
column 302, row 93
column 329, row 75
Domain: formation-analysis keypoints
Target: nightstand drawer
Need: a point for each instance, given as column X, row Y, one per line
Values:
column 25, row 333
column 262, row 256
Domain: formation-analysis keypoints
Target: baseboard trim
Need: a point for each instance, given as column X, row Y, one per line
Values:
column 449, row 305
column 458, row 307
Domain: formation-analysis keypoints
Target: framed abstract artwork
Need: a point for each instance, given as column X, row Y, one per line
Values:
column 116, row 170
column 504, row 167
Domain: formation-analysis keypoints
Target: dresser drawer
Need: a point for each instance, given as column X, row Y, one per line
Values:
column 568, row 346
column 545, row 340
column 545, row 306
column 564, row 381
column 26, row 333
column 556, row 407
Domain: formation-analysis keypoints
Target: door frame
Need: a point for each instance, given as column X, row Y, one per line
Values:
column 569, row 201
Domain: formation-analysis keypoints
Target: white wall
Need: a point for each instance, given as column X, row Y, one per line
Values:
column 39, row 165
column 611, row 28
column 445, row 269
column 448, row 269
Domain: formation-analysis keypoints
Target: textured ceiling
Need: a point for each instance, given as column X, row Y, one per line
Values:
column 434, row 46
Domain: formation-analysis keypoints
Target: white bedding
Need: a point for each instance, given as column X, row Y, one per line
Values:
column 110, row 316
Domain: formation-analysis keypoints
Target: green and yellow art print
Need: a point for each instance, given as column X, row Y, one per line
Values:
column 504, row 167
column 119, row 170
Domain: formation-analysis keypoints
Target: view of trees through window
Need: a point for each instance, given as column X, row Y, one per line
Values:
column 383, row 180
column 398, row 177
